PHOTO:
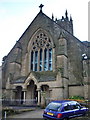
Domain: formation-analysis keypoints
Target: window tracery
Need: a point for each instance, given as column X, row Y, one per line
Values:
column 41, row 53
column 41, row 40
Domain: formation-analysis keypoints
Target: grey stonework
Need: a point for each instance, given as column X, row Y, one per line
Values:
column 67, row 76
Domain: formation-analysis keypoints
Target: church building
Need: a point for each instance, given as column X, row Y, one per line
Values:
column 47, row 62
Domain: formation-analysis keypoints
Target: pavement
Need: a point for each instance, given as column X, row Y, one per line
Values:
column 35, row 112
column 22, row 108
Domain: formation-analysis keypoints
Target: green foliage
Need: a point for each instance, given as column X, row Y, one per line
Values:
column 76, row 97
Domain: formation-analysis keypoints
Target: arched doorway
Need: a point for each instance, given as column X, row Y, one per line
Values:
column 35, row 94
column 32, row 94
column 19, row 95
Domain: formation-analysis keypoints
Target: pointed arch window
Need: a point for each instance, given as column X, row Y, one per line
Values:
column 36, row 60
column 41, row 53
column 45, row 59
column 32, row 61
column 40, row 66
column 50, row 59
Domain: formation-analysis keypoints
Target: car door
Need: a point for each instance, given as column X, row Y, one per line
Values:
column 68, row 112
column 77, row 111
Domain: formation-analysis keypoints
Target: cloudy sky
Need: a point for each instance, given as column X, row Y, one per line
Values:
column 16, row 15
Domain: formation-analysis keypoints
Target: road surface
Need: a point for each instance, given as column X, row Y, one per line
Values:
column 37, row 113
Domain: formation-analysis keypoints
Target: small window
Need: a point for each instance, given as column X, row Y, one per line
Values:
column 76, row 106
column 66, row 108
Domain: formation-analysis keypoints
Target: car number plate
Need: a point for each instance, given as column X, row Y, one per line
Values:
column 50, row 113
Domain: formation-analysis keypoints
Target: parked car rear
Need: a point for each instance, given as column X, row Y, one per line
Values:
column 63, row 110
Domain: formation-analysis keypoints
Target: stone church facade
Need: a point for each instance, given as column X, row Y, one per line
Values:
column 48, row 61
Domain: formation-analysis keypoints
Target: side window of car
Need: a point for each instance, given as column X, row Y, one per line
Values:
column 76, row 106
column 67, row 107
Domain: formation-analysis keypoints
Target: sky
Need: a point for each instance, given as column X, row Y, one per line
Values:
column 16, row 16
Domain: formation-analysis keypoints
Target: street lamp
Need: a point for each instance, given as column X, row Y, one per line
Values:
column 84, row 56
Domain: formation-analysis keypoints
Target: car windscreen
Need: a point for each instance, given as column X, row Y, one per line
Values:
column 54, row 106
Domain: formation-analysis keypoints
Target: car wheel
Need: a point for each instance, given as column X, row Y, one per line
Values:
column 65, row 119
column 45, row 119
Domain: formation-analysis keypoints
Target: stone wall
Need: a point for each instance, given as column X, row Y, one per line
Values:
column 69, row 47
column 76, row 91
column 0, row 83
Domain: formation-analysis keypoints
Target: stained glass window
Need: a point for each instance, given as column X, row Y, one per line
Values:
column 36, row 60
column 45, row 60
column 50, row 59
column 32, row 60
column 40, row 60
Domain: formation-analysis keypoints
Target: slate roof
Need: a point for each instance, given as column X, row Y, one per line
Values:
column 44, row 76
column 20, row 79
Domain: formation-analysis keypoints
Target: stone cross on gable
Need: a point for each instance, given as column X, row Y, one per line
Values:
column 41, row 6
